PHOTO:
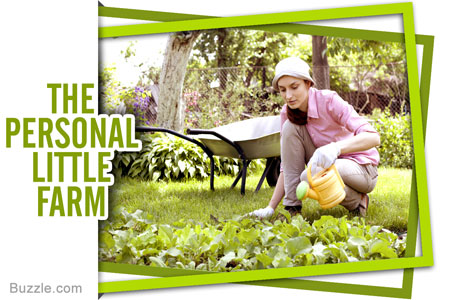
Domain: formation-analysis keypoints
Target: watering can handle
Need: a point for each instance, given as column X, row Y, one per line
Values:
column 311, row 192
column 308, row 173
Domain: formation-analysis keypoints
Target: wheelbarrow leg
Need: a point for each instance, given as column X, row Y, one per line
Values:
column 237, row 179
column 270, row 162
column 244, row 175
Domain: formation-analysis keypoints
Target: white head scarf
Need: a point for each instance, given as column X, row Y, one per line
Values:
column 291, row 66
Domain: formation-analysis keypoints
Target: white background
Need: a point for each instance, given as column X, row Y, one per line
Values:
column 56, row 41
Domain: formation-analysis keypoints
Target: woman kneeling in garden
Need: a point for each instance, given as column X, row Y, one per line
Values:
column 320, row 129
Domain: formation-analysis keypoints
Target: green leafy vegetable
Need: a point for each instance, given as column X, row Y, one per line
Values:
column 243, row 243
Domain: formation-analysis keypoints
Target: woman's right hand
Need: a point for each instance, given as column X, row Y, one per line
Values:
column 324, row 157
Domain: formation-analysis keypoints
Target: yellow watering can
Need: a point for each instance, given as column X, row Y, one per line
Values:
column 326, row 187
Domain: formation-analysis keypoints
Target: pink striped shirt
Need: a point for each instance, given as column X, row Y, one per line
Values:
column 331, row 119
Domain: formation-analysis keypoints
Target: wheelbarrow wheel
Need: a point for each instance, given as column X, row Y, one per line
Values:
column 274, row 170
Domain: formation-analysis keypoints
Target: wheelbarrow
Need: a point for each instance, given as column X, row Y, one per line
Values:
column 245, row 140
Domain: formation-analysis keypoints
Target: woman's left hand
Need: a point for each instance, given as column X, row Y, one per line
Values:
column 324, row 157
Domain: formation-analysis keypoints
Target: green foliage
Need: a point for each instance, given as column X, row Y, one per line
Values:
column 167, row 157
column 396, row 149
column 364, row 65
column 111, row 92
column 115, row 98
column 341, row 79
column 130, row 51
column 230, row 47
column 242, row 243
column 212, row 108
column 364, row 52
column 118, row 99
column 137, row 102
column 227, row 78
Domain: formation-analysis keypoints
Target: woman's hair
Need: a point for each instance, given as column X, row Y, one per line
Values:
column 296, row 116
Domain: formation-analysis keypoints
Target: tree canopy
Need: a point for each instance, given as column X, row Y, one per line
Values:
column 228, row 47
column 234, row 67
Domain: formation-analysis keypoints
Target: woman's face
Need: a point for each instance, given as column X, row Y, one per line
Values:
column 295, row 92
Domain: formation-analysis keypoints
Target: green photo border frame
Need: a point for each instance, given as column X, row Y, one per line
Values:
column 275, row 19
column 405, row 290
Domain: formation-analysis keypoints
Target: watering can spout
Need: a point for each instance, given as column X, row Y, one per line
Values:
column 304, row 191
column 327, row 187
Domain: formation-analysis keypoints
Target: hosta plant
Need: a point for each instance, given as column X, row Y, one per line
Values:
column 165, row 156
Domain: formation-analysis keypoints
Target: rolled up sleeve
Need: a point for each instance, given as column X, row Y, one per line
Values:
column 344, row 114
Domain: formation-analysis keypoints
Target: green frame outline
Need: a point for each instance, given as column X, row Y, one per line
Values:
column 211, row 22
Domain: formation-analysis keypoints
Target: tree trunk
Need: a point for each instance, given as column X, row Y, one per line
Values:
column 170, row 105
column 321, row 70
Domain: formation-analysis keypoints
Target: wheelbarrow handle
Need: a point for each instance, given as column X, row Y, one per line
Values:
column 176, row 133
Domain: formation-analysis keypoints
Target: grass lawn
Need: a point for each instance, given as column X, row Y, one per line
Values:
column 193, row 200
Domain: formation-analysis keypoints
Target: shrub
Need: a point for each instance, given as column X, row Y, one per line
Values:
column 167, row 157
column 396, row 149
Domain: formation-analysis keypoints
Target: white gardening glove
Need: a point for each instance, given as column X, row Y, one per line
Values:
column 262, row 212
column 324, row 157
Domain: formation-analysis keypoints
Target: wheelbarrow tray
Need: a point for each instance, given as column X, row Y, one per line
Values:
column 258, row 138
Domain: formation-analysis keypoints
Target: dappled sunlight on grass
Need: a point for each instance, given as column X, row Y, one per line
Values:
column 193, row 199
column 168, row 202
column 389, row 202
